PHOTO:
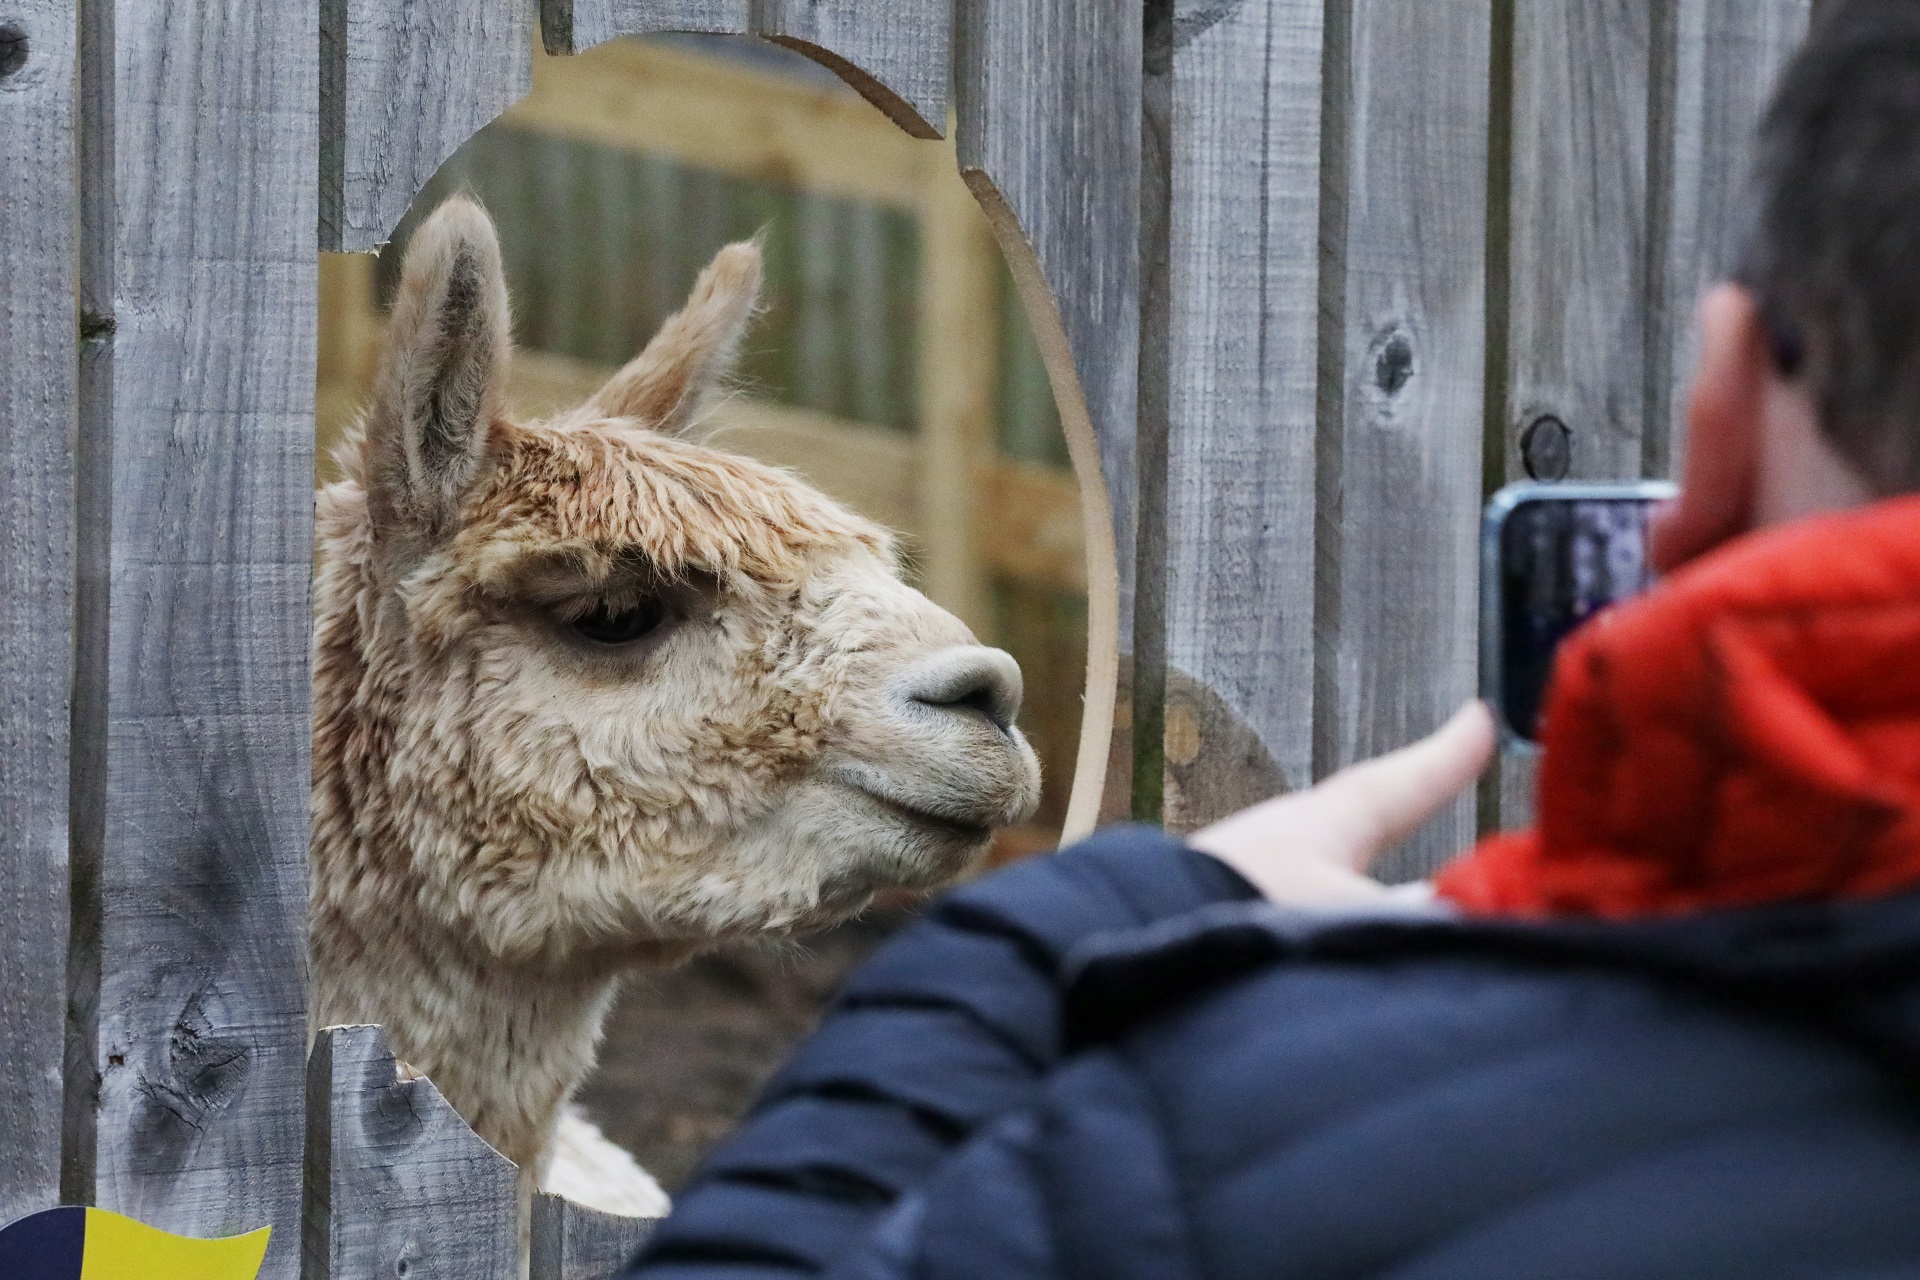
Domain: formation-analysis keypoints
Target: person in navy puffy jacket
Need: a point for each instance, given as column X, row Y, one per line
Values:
column 1673, row 1032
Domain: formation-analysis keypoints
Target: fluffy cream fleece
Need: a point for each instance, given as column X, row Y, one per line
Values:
column 511, row 810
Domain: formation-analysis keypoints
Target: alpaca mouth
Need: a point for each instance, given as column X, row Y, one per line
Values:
column 936, row 824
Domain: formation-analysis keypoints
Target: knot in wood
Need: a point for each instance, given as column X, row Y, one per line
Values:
column 1546, row 448
column 13, row 48
column 1392, row 361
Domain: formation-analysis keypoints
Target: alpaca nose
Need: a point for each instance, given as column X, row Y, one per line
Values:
column 967, row 681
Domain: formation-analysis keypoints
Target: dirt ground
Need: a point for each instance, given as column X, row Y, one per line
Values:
column 688, row 1049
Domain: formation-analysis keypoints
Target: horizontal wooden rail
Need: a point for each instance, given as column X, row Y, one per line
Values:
column 665, row 100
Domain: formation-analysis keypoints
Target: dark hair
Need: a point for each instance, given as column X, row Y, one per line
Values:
column 1833, row 253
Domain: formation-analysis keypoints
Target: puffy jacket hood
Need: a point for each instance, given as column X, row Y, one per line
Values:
column 1748, row 732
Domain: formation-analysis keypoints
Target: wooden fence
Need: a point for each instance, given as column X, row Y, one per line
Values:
column 1309, row 275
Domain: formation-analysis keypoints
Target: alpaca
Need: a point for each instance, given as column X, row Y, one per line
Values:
column 589, row 695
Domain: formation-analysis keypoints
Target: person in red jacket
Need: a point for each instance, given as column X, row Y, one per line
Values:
column 1674, row 1031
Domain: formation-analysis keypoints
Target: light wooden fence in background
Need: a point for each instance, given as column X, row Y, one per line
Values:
column 1304, row 273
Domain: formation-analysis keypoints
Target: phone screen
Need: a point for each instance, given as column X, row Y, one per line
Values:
column 1561, row 560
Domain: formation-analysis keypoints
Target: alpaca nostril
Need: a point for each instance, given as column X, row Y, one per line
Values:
column 969, row 680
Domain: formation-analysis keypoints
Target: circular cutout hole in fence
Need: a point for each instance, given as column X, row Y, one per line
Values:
column 891, row 367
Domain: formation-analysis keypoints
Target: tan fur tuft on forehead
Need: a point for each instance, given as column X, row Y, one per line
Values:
column 601, row 489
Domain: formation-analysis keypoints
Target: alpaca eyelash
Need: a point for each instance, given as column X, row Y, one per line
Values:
column 625, row 625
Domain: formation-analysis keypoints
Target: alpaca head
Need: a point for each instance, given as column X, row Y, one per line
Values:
column 589, row 692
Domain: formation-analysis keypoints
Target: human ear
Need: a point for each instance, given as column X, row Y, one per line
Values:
column 1725, row 413
column 443, row 375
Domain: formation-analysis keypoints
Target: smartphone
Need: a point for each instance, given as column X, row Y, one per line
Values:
column 1552, row 556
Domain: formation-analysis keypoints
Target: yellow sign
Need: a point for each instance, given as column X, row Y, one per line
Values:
column 75, row 1243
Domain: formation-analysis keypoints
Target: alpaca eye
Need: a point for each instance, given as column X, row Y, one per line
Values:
column 621, row 626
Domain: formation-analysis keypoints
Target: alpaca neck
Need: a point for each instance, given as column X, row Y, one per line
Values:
column 507, row 1049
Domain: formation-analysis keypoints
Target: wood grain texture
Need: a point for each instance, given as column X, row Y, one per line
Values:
column 1145, row 694
column 1577, row 279
column 574, row 26
column 1241, row 457
column 39, row 322
column 1726, row 56
column 573, row 1242
column 397, row 1184
column 1049, row 139
column 204, row 433
column 1403, row 220
column 404, row 83
column 898, row 60
column 1580, row 311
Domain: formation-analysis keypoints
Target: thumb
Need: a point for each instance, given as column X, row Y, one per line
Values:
column 1372, row 806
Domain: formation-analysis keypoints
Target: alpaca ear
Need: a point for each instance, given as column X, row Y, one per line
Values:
column 443, row 375
column 694, row 351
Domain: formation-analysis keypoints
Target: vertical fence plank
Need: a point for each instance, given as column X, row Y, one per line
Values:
column 1577, row 260
column 1403, row 300
column 397, row 1184
column 1577, row 279
column 39, row 327
column 574, row 26
column 1147, row 692
column 197, row 873
column 1726, row 56
column 1240, row 467
column 1049, row 120
column 403, row 85
column 897, row 59
column 573, row 1242
column 899, row 62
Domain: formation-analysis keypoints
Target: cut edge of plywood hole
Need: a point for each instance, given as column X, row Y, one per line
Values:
column 1096, row 507
column 865, row 83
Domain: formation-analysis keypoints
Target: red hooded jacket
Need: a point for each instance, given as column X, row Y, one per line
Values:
column 1747, row 732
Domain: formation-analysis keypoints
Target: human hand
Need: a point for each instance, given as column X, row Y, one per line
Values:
column 1313, row 847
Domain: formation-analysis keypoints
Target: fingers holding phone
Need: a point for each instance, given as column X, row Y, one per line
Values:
column 1552, row 557
column 1313, row 847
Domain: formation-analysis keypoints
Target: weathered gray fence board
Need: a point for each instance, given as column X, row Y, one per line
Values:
column 1147, row 694
column 899, row 61
column 1727, row 55
column 574, row 26
column 404, row 84
column 573, row 1242
column 1577, row 284
column 397, row 1184
column 92, row 537
column 898, row 58
column 1240, row 468
column 1578, row 312
column 203, row 703
column 1402, row 381
column 1049, row 118
column 38, row 372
